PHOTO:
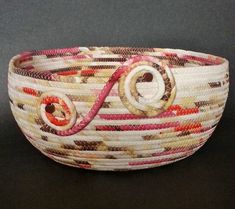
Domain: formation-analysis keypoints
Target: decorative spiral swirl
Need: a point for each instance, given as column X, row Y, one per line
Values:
column 132, row 72
column 57, row 110
column 147, row 69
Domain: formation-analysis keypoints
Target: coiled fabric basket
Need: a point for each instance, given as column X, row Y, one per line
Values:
column 116, row 108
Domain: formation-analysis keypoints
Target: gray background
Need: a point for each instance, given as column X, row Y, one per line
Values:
column 30, row 180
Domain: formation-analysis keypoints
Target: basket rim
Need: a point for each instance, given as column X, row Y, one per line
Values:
column 14, row 64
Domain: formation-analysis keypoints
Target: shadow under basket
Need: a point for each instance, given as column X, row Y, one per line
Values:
column 117, row 108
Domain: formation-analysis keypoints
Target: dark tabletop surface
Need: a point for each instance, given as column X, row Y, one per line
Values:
column 30, row 180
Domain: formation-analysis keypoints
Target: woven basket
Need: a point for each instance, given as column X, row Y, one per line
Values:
column 116, row 108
